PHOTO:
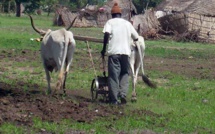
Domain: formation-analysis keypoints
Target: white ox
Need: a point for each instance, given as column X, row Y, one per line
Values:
column 57, row 49
column 136, row 61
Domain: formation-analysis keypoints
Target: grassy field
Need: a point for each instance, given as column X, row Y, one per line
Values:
column 184, row 101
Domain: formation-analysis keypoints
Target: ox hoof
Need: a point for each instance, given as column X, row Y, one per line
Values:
column 59, row 85
column 64, row 93
column 53, row 92
column 48, row 92
column 134, row 99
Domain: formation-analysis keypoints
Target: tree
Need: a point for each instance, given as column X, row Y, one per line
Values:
column 49, row 5
column 7, row 5
column 143, row 5
column 18, row 7
column 30, row 7
column 78, row 3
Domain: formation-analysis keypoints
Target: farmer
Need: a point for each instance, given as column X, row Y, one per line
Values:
column 118, row 34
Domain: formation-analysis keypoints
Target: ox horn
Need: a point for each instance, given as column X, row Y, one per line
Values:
column 72, row 23
column 41, row 32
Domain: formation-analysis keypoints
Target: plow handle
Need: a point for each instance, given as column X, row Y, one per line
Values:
column 103, row 62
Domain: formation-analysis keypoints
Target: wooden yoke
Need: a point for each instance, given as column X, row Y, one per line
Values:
column 90, row 39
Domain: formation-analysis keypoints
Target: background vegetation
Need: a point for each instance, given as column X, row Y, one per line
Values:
column 7, row 6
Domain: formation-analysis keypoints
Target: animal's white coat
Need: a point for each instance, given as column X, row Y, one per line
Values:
column 136, row 61
column 57, row 49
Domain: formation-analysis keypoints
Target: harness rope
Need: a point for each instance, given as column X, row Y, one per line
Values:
column 91, row 58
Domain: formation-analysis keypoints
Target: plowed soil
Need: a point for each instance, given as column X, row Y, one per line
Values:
column 20, row 107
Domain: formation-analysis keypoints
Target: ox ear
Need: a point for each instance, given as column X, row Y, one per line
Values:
column 40, row 31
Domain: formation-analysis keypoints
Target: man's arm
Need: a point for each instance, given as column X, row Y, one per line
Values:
column 105, row 42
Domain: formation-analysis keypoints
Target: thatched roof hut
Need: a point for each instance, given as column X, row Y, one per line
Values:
column 190, row 16
column 128, row 8
column 146, row 23
column 63, row 16
column 201, row 7
column 94, row 16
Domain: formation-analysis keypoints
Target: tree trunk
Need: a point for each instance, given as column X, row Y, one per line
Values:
column 2, row 8
column 8, row 8
column 49, row 10
column 18, row 9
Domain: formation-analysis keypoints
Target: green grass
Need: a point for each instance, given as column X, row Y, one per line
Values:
column 180, row 104
column 179, row 50
column 11, row 129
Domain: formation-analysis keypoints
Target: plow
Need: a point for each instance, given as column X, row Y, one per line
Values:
column 99, row 85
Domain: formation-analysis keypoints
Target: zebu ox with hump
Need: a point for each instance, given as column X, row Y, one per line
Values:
column 136, row 61
column 57, row 49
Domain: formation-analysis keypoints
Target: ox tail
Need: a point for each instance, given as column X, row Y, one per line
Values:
column 66, row 45
column 62, row 69
column 146, row 80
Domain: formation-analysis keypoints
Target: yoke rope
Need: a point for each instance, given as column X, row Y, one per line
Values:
column 91, row 58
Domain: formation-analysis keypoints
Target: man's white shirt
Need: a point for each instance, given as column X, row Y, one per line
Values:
column 121, row 34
